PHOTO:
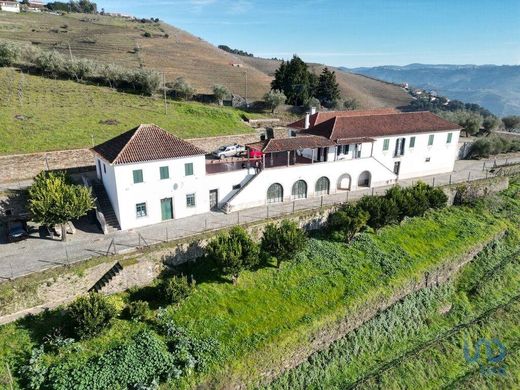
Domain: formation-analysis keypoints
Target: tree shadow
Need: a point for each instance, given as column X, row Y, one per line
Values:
column 43, row 324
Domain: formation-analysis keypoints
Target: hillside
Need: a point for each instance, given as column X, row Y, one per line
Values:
column 172, row 51
column 41, row 114
column 496, row 88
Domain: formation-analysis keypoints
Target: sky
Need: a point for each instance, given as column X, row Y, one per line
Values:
column 349, row 33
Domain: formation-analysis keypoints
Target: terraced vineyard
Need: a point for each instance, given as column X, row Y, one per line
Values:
column 41, row 114
column 419, row 342
column 172, row 51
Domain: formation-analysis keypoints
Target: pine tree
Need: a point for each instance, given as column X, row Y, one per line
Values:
column 295, row 80
column 327, row 90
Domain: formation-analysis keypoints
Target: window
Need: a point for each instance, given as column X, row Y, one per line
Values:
column 138, row 176
column 412, row 142
column 386, row 144
column 236, row 187
column 190, row 200
column 299, row 190
column 322, row 186
column 188, row 169
column 448, row 139
column 430, row 140
column 427, row 159
column 165, row 172
column 140, row 210
column 399, row 146
column 275, row 193
column 346, row 149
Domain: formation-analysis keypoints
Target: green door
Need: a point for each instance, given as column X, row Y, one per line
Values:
column 166, row 209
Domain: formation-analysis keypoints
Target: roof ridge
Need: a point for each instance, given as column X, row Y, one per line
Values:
column 136, row 130
column 333, row 127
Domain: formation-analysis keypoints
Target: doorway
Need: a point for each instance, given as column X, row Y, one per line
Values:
column 213, row 199
column 166, row 209
column 397, row 167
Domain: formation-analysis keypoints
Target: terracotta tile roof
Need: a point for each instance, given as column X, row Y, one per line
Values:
column 145, row 143
column 319, row 117
column 381, row 125
column 360, row 140
column 293, row 143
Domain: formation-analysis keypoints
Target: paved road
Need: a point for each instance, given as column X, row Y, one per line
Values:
column 37, row 254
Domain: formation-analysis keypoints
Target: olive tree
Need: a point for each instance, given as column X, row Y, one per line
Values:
column 273, row 99
column 54, row 200
column 9, row 53
column 220, row 93
column 182, row 89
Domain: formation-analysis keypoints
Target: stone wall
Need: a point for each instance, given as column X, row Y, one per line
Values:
column 25, row 166
column 17, row 167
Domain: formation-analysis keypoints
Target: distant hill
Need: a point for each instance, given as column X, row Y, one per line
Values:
column 496, row 88
column 172, row 51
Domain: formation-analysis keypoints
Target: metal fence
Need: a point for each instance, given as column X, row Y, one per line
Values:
column 39, row 254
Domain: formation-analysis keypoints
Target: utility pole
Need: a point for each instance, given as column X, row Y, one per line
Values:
column 164, row 91
column 245, row 72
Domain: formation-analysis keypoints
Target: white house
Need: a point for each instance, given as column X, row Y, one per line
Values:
column 9, row 6
column 151, row 176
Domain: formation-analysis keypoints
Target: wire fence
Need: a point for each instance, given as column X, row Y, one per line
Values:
column 36, row 254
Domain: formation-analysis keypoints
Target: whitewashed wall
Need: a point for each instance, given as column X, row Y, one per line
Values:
column 153, row 189
column 413, row 163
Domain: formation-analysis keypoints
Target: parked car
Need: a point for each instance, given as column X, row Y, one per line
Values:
column 16, row 230
column 230, row 151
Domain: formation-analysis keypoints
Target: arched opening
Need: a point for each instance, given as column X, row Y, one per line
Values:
column 299, row 190
column 364, row 179
column 275, row 193
column 322, row 186
column 344, row 182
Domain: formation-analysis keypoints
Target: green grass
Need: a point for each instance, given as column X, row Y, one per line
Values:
column 272, row 313
column 60, row 114
column 414, row 345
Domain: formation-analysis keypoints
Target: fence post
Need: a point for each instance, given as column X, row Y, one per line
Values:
column 321, row 204
column 450, row 180
column 469, row 175
column 267, row 211
column 484, row 166
column 507, row 159
column 293, row 205
column 433, row 182
column 166, row 234
column 205, row 223
column 347, row 195
column 372, row 191
column 238, row 217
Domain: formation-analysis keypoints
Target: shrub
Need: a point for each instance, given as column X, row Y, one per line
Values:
column 51, row 62
column 282, row 242
column 233, row 251
column 147, row 35
column 383, row 211
column 137, row 310
column 9, row 53
column 485, row 147
column 182, row 90
column 90, row 314
column 138, row 361
column 175, row 289
column 220, row 92
column 348, row 221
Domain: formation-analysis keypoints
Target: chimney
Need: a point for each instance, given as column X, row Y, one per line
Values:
column 313, row 110
column 307, row 121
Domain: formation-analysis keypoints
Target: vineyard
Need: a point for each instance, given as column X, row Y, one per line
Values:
column 419, row 342
column 225, row 333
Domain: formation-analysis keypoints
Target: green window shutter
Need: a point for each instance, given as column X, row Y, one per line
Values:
column 188, row 169
column 386, row 144
column 165, row 173
column 412, row 142
column 430, row 140
column 450, row 136
column 138, row 176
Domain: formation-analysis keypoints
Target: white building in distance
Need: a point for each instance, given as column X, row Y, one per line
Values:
column 151, row 176
column 9, row 6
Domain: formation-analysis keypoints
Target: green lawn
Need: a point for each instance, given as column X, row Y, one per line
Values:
column 41, row 114
column 273, row 312
column 418, row 343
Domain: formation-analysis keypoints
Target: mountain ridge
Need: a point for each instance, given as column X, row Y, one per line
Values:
column 495, row 87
